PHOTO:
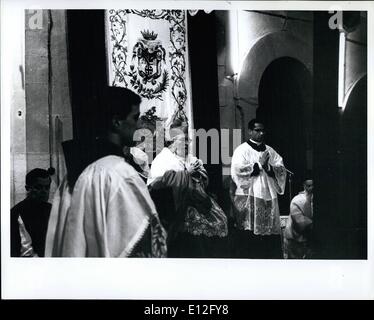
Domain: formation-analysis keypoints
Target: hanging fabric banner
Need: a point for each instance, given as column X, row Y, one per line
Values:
column 148, row 53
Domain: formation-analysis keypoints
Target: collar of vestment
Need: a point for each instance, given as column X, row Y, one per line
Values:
column 81, row 153
column 258, row 147
column 107, row 148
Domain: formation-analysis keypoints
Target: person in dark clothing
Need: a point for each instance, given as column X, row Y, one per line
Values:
column 34, row 212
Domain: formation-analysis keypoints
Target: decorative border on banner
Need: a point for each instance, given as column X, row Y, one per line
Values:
column 117, row 22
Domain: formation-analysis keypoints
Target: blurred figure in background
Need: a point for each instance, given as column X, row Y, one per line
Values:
column 300, row 224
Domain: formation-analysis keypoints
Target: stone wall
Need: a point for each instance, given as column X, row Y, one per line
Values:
column 38, row 129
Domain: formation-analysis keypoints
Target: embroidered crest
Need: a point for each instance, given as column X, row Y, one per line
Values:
column 148, row 60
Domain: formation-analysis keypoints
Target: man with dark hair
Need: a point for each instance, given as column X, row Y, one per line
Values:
column 259, row 175
column 33, row 212
column 115, row 100
column 104, row 208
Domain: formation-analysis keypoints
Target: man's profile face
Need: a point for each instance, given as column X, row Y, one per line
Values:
column 308, row 186
column 128, row 126
column 39, row 190
column 258, row 133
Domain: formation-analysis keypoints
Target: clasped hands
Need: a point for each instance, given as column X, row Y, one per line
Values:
column 264, row 160
column 195, row 166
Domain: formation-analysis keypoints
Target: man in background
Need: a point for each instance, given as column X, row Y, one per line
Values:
column 32, row 213
column 300, row 223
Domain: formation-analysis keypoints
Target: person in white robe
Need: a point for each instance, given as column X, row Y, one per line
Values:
column 199, row 215
column 107, row 211
column 300, row 223
column 259, row 175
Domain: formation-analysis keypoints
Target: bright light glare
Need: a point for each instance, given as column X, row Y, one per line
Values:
column 341, row 79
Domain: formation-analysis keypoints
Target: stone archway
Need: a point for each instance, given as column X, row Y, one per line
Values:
column 264, row 51
column 285, row 107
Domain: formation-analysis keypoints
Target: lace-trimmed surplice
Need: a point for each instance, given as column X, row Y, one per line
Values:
column 256, row 196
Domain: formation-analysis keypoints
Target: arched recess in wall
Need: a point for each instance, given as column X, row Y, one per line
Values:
column 285, row 107
column 264, row 51
column 276, row 85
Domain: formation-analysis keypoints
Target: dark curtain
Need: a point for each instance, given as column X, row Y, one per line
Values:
column 203, row 62
column 87, row 70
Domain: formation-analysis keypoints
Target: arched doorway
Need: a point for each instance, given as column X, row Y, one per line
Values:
column 285, row 107
column 264, row 51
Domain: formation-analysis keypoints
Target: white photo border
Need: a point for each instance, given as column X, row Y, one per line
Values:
column 75, row 278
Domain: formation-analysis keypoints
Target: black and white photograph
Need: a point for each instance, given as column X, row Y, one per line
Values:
column 219, row 147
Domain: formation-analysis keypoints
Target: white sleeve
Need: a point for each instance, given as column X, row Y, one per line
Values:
column 241, row 169
column 276, row 162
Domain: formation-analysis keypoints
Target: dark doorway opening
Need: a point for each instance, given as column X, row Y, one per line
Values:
column 285, row 107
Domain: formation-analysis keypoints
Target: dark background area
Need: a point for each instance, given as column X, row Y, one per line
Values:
column 285, row 109
column 204, row 79
column 339, row 152
column 87, row 70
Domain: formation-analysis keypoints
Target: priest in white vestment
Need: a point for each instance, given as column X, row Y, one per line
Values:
column 259, row 175
column 103, row 208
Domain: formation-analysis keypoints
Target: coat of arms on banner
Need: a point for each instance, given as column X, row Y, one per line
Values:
column 148, row 74
column 147, row 53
